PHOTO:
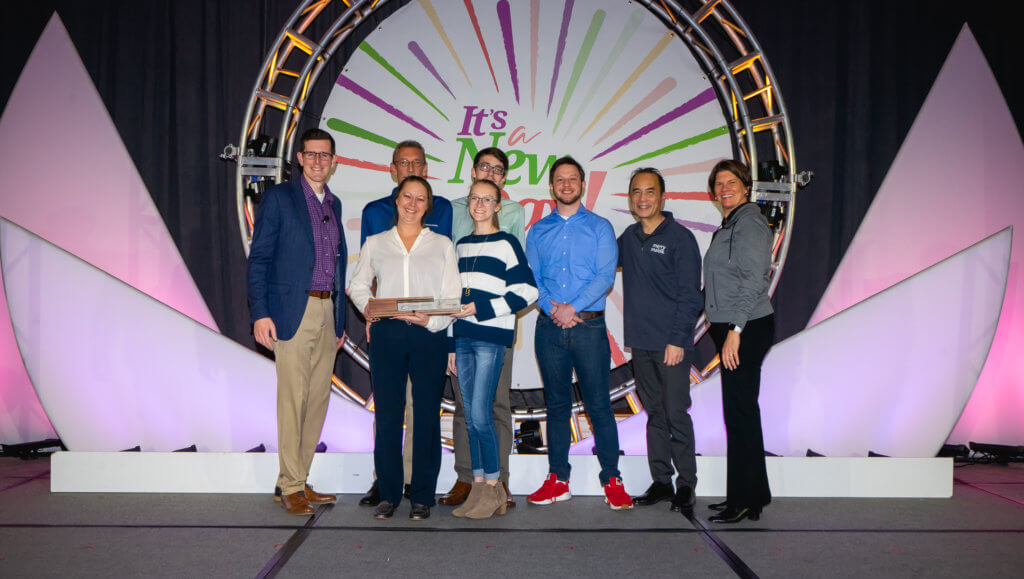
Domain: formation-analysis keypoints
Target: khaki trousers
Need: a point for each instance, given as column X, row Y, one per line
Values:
column 304, row 367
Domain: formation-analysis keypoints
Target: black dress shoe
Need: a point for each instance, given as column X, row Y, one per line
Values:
column 683, row 499
column 734, row 515
column 419, row 512
column 655, row 493
column 406, row 493
column 384, row 510
column 719, row 506
column 372, row 496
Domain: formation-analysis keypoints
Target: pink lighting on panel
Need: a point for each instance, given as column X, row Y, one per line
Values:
column 957, row 179
column 97, row 206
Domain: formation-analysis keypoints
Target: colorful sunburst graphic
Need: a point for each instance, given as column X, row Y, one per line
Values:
column 601, row 80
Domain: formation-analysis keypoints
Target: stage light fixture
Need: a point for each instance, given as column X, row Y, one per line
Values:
column 1001, row 453
column 259, row 448
column 190, row 448
column 953, row 451
column 528, row 438
column 30, row 450
column 873, row 454
column 812, row 453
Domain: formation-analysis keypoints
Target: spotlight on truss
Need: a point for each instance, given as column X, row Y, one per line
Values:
column 1001, row 453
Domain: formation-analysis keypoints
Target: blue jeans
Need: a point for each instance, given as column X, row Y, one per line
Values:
column 584, row 347
column 479, row 366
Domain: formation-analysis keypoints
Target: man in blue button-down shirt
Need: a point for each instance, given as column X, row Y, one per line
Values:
column 573, row 254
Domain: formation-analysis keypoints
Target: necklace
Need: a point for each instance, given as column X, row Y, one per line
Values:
column 472, row 267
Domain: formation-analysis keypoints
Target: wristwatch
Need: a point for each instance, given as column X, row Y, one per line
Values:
column 736, row 328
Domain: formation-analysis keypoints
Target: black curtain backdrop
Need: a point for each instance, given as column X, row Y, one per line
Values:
column 176, row 76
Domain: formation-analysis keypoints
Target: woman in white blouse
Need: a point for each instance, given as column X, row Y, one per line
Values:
column 407, row 260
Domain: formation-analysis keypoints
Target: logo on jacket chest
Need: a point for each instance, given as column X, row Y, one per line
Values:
column 658, row 248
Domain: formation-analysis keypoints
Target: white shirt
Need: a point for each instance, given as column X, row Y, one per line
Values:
column 429, row 269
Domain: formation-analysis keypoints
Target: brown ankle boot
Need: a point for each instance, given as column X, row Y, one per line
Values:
column 493, row 501
column 476, row 492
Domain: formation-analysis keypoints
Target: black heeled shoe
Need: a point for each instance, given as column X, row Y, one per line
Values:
column 719, row 506
column 734, row 515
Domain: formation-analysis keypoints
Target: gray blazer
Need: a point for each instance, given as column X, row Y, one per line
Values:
column 736, row 268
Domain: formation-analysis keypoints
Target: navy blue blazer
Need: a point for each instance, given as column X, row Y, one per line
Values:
column 281, row 258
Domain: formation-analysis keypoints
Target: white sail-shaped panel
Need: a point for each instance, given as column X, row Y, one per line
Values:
column 68, row 177
column 115, row 368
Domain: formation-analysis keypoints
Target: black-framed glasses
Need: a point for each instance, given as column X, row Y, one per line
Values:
column 322, row 155
column 489, row 168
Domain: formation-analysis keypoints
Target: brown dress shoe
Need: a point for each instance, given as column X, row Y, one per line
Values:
column 316, row 498
column 296, row 504
column 509, row 503
column 457, row 495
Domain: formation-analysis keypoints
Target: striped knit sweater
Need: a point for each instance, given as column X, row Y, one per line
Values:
column 500, row 283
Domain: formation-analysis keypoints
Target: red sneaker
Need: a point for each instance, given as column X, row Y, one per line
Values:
column 552, row 491
column 615, row 495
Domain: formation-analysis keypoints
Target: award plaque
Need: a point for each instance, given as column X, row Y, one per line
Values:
column 388, row 307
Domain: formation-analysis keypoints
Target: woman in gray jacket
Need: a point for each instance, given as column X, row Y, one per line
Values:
column 736, row 279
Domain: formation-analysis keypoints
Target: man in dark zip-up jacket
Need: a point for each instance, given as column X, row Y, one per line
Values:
column 661, row 287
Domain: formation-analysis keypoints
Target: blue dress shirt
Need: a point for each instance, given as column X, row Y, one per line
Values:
column 379, row 216
column 573, row 260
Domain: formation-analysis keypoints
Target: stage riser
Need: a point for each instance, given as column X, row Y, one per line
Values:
column 188, row 472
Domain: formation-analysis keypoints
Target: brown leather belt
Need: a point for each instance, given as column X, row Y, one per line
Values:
column 318, row 294
column 581, row 315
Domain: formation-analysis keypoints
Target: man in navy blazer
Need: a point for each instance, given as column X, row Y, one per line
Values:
column 296, row 279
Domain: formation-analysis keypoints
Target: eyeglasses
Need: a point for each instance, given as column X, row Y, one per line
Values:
column 482, row 200
column 322, row 155
column 406, row 163
column 492, row 169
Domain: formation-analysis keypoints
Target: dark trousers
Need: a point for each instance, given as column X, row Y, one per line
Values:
column 747, row 478
column 400, row 352
column 665, row 394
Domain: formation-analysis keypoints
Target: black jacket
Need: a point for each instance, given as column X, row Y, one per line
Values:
column 660, row 285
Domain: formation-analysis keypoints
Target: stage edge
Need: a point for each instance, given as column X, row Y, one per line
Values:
column 188, row 472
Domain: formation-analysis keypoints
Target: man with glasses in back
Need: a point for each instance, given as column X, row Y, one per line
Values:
column 408, row 159
column 490, row 164
column 296, row 282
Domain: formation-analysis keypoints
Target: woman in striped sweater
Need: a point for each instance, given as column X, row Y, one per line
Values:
column 497, row 284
